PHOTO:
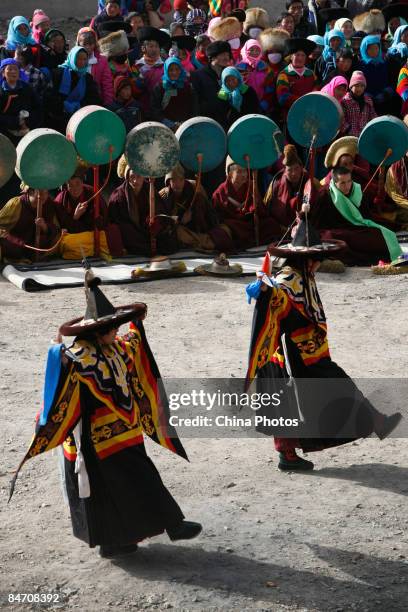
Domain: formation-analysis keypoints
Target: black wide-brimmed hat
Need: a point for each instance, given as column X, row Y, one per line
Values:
column 149, row 33
column 116, row 26
column 398, row 9
column 184, row 42
column 306, row 243
column 100, row 313
column 293, row 45
column 330, row 14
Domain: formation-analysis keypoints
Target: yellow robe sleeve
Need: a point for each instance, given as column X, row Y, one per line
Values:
column 9, row 215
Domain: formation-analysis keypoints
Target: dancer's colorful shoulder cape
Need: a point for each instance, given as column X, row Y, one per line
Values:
column 272, row 307
column 125, row 392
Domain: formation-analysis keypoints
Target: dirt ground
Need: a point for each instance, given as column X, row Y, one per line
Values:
column 331, row 540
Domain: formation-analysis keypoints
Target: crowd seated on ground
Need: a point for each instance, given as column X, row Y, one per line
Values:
column 222, row 61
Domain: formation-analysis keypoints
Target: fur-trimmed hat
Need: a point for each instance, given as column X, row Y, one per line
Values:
column 347, row 145
column 273, row 38
column 176, row 172
column 256, row 18
column 226, row 29
column 290, row 156
column 114, row 44
column 370, row 22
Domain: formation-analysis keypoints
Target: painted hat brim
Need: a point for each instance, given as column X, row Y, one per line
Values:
column 123, row 315
column 328, row 248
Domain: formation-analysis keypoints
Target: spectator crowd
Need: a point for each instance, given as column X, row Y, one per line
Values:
column 220, row 60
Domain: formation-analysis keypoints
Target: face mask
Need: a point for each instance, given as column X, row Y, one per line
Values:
column 254, row 32
column 234, row 43
column 274, row 58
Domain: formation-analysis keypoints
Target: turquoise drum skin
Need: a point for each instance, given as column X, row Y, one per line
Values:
column 201, row 136
column 45, row 159
column 8, row 158
column 381, row 134
column 256, row 141
column 98, row 134
column 314, row 119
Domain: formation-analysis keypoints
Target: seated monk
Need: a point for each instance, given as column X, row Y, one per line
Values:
column 196, row 225
column 396, row 186
column 285, row 193
column 233, row 203
column 76, row 214
column 19, row 223
column 129, row 208
column 338, row 214
column 343, row 153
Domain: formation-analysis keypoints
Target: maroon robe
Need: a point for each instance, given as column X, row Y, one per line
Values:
column 240, row 218
column 204, row 219
column 284, row 200
column 65, row 208
column 365, row 245
column 131, row 214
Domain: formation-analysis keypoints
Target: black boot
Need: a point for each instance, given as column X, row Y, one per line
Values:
column 110, row 552
column 386, row 424
column 186, row 530
column 289, row 461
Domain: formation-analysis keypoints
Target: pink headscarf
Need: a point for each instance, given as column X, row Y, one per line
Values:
column 331, row 86
column 186, row 63
column 38, row 18
column 252, row 61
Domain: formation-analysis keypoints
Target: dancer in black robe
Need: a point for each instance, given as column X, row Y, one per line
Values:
column 101, row 395
column 289, row 343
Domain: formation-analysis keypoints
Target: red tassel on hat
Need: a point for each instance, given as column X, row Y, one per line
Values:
column 266, row 264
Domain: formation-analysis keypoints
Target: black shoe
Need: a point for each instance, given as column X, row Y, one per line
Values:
column 388, row 424
column 298, row 464
column 186, row 530
column 110, row 552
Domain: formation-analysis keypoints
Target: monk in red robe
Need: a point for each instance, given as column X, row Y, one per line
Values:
column 343, row 153
column 19, row 223
column 286, row 192
column 196, row 221
column 129, row 208
column 341, row 214
column 234, row 205
column 74, row 212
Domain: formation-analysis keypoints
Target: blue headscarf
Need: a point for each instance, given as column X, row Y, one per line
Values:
column 70, row 62
column 169, row 83
column 366, row 42
column 234, row 97
column 15, row 38
column 74, row 97
column 398, row 47
column 328, row 52
column 22, row 78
